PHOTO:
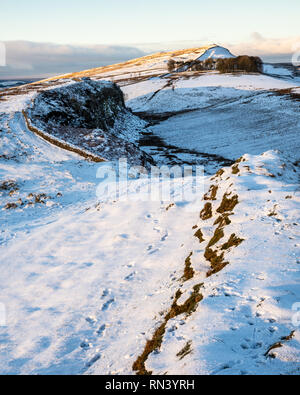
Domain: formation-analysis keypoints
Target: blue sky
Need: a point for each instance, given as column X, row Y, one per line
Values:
column 44, row 38
column 146, row 21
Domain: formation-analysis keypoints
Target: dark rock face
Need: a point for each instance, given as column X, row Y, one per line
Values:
column 92, row 116
column 86, row 104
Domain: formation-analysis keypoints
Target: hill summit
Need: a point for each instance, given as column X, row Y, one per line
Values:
column 215, row 53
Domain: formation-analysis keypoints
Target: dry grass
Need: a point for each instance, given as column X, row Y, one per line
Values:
column 185, row 351
column 216, row 257
column 279, row 345
column 223, row 220
column 218, row 174
column 273, row 213
column 206, row 213
column 155, row 343
column 170, row 206
column 199, row 236
column 235, row 169
column 228, row 204
column 9, row 186
column 233, row 241
column 11, row 206
column 218, row 235
column 212, row 193
column 188, row 270
column 132, row 63
column 288, row 93
column 217, row 262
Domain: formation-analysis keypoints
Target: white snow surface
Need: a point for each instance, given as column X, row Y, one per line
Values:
column 275, row 70
column 216, row 52
column 196, row 92
column 202, row 108
column 75, row 279
column 86, row 280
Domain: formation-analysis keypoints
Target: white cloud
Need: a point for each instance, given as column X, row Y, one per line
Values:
column 28, row 59
column 268, row 48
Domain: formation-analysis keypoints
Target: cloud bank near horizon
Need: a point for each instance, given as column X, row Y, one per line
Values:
column 25, row 59
column 270, row 49
column 37, row 60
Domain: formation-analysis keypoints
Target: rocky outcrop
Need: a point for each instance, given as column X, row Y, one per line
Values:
column 91, row 116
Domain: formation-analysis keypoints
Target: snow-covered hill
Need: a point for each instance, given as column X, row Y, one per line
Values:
column 215, row 53
column 180, row 286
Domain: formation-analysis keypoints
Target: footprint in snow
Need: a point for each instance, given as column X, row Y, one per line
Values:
column 101, row 330
column 87, row 264
column 105, row 293
column 273, row 329
column 93, row 361
column 164, row 238
column 91, row 320
column 130, row 277
column 256, row 346
column 245, row 346
column 124, row 236
column 226, row 366
column 107, row 305
column 248, row 344
column 153, row 251
column 85, row 345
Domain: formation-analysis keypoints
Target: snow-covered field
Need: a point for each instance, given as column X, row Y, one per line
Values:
column 89, row 283
column 200, row 110
column 198, row 91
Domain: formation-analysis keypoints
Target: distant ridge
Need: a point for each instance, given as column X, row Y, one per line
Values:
column 159, row 57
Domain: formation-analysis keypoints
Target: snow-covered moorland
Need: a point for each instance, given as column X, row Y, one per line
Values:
column 95, row 284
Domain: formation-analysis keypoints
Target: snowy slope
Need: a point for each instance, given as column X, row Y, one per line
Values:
column 216, row 52
column 276, row 70
column 73, row 284
column 87, row 117
column 214, row 283
column 197, row 91
column 246, row 308
column 195, row 117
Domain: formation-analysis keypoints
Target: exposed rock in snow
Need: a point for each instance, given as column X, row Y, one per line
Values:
column 90, row 115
